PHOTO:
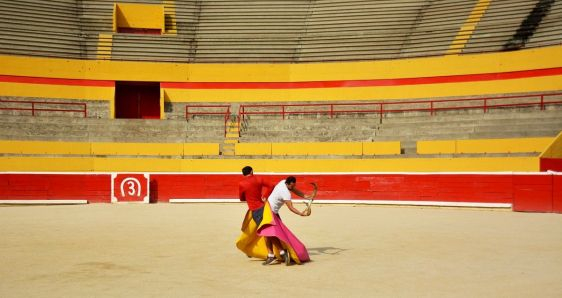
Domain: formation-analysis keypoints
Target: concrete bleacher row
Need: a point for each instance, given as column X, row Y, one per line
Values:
column 405, row 127
column 109, row 130
column 497, row 26
column 268, row 31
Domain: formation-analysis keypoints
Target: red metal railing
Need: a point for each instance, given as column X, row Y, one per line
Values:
column 32, row 106
column 382, row 108
column 224, row 110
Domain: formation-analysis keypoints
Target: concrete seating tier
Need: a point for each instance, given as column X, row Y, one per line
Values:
column 221, row 31
column 408, row 129
column 109, row 130
column 550, row 28
column 40, row 28
column 497, row 26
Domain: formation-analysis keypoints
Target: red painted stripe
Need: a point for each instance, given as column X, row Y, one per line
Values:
column 367, row 83
column 302, row 85
column 56, row 81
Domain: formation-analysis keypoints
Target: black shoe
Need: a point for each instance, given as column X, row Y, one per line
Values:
column 270, row 261
column 286, row 258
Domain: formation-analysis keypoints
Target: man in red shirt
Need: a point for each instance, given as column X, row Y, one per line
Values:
column 253, row 190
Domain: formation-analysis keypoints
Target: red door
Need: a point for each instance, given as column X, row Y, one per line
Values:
column 137, row 100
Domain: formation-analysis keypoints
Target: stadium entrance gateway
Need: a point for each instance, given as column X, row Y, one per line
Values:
column 137, row 100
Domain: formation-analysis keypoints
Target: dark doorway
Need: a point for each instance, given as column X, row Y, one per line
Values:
column 137, row 100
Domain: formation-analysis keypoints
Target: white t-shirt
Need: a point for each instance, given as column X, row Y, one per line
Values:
column 278, row 196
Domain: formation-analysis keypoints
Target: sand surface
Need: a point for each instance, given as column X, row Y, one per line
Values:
column 182, row 250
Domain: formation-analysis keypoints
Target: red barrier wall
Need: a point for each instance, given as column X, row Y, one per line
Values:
column 538, row 192
column 96, row 188
column 532, row 193
column 557, row 194
column 447, row 188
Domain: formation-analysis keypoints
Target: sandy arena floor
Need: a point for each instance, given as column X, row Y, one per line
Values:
column 182, row 250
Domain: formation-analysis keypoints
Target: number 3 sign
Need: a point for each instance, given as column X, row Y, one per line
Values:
column 130, row 188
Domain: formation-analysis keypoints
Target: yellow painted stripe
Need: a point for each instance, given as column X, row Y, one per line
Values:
column 381, row 148
column 310, row 148
column 57, row 91
column 40, row 164
column 467, row 29
column 319, row 148
column 518, row 145
column 46, row 164
column 538, row 84
column 554, row 149
column 184, row 72
column 137, row 149
column 108, row 148
column 200, row 149
column 503, row 145
column 436, row 147
column 39, row 147
column 105, row 44
column 252, row 148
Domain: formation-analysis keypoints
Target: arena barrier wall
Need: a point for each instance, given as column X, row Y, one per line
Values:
column 533, row 192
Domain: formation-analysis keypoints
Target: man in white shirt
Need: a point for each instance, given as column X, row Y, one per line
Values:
column 281, row 195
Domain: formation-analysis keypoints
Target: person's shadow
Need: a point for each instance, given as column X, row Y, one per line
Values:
column 334, row 251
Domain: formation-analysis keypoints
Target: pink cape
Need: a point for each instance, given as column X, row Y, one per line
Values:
column 276, row 228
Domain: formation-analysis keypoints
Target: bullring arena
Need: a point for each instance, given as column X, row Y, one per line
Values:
column 188, row 250
column 433, row 130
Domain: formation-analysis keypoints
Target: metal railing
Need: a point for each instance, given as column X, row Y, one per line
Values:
column 224, row 110
column 32, row 106
column 381, row 108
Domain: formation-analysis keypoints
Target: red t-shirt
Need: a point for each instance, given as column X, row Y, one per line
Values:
column 250, row 190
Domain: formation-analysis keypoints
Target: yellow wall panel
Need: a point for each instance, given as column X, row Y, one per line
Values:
column 538, row 84
column 252, row 148
column 520, row 145
column 57, row 91
column 136, row 165
column 201, row 149
column 46, row 164
column 436, row 147
column 381, row 148
column 137, row 149
column 177, row 72
column 317, row 148
column 503, row 145
column 40, row 147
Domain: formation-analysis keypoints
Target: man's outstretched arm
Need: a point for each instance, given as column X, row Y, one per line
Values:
column 303, row 195
column 295, row 210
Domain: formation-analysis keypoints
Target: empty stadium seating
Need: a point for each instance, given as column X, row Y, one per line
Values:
column 273, row 31
column 238, row 53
